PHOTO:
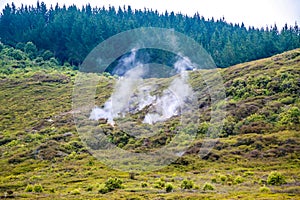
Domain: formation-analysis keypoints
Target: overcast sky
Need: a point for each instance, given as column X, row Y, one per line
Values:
column 257, row 13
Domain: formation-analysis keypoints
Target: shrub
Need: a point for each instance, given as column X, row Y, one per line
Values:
column 72, row 156
column 37, row 188
column 262, row 81
column 287, row 100
column 143, row 184
column 208, row 186
column 203, row 128
column 20, row 46
column 290, row 116
column 228, row 126
column 159, row 184
column 39, row 60
column 254, row 118
column 75, row 192
column 290, row 86
column 214, row 180
column 16, row 54
column 30, row 49
column 264, row 189
column 113, row 183
column 223, row 178
column 103, row 190
column 34, row 188
column 187, row 184
column 89, row 188
column 47, row 55
column 262, row 182
column 54, row 61
column 91, row 163
column 276, row 178
column 29, row 188
column 238, row 180
column 169, row 187
column 110, row 185
column 248, row 173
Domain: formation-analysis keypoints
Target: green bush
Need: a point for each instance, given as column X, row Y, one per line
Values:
column 262, row 81
column 290, row 116
column 208, row 186
column 203, row 128
column 238, row 180
column 262, row 182
column 187, row 184
column 223, row 178
column 143, row 184
column 254, row 118
column 214, row 180
column 31, row 50
column 113, row 183
column 169, row 187
column 159, row 184
column 29, row 188
column 16, row 54
column 228, row 126
column 248, row 173
column 75, row 192
column 89, row 188
column 39, row 60
column 264, row 189
column 37, row 188
column 290, row 86
column 276, row 178
column 54, row 61
column 110, row 185
column 47, row 55
column 103, row 190
column 287, row 100
column 34, row 188
column 20, row 46
column 72, row 156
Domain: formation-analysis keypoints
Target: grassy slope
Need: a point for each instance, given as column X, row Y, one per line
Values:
column 35, row 105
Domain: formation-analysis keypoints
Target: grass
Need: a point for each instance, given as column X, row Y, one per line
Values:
column 40, row 147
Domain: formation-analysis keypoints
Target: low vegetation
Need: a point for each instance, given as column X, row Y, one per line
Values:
column 208, row 186
column 276, row 178
column 256, row 157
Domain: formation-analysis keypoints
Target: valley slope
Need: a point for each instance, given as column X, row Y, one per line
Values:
column 40, row 146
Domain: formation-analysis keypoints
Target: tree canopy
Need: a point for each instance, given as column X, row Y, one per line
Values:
column 70, row 33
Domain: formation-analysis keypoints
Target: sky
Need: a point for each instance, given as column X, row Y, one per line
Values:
column 257, row 13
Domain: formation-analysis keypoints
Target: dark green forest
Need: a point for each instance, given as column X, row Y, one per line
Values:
column 70, row 33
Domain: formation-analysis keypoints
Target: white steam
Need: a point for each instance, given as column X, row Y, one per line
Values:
column 131, row 95
column 174, row 97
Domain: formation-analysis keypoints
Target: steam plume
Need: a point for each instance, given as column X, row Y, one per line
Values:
column 131, row 96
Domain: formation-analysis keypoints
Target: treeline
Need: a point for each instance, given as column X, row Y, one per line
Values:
column 71, row 33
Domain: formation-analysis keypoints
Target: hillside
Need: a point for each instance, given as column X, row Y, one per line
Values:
column 42, row 155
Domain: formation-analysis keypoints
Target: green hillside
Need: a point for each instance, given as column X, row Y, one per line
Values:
column 256, row 157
